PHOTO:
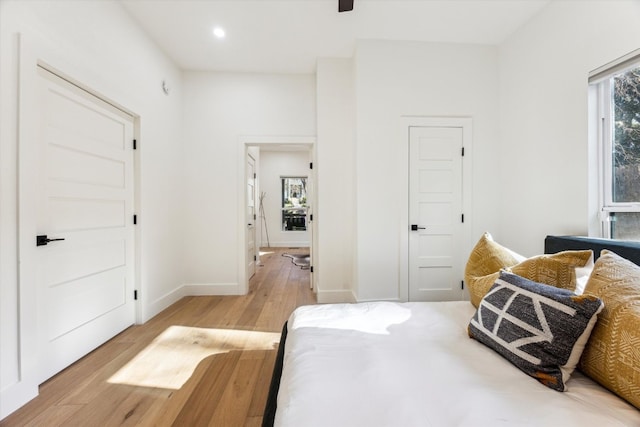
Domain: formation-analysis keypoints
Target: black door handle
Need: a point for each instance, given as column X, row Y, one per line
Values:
column 42, row 240
column 414, row 227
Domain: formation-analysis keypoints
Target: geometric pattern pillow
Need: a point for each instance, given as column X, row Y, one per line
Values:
column 612, row 356
column 540, row 329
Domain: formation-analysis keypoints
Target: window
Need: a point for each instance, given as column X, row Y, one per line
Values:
column 294, row 203
column 618, row 104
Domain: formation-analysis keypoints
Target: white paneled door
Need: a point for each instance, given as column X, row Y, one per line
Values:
column 252, row 253
column 85, row 281
column 436, row 233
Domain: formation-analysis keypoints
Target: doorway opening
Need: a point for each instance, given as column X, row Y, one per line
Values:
column 278, row 202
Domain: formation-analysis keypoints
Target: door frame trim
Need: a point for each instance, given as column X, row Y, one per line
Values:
column 407, row 122
column 255, row 227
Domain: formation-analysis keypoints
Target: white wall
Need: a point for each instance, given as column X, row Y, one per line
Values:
column 97, row 44
column 543, row 115
column 273, row 166
column 220, row 111
column 335, row 187
column 420, row 79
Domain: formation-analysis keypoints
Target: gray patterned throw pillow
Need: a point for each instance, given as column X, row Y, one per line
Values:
column 539, row 328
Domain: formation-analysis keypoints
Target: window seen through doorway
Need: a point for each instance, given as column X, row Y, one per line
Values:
column 294, row 203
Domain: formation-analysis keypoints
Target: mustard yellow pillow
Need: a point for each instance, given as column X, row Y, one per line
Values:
column 489, row 257
column 557, row 270
column 479, row 286
column 484, row 264
column 612, row 355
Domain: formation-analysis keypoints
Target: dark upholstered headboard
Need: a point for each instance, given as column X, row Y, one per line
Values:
column 626, row 249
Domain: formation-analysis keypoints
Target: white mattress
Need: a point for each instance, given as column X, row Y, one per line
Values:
column 413, row 364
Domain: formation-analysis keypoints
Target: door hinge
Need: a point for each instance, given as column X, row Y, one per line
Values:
column 311, row 269
column 255, row 258
column 254, row 176
column 462, row 151
column 462, row 217
column 311, row 165
column 135, row 219
column 135, row 144
column 254, row 217
column 311, row 217
column 462, row 284
column 135, row 295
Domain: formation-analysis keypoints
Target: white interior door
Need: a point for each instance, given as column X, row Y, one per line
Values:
column 252, row 253
column 436, row 234
column 85, row 282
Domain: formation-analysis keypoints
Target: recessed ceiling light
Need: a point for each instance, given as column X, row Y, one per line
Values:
column 219, row 32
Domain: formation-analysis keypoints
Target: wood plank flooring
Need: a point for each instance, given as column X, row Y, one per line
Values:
column 228, row 386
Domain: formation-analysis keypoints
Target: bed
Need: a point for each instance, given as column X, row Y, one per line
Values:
column 413, row 364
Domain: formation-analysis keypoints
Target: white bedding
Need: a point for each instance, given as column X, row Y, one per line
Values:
column 413, row 364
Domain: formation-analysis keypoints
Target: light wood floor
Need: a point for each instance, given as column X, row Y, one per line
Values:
column 227, row 388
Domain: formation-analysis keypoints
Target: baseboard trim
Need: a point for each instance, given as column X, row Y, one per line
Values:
column 188, row 290
column 381, row 299
column 332, row 297
column 163, row 302
column 15, row 396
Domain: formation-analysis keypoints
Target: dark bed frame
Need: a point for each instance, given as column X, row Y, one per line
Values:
column 625, row 248
column 272, row 399
column 552, row 244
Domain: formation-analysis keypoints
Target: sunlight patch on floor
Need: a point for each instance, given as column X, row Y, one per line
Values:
column 170, row 360
column 262, row 252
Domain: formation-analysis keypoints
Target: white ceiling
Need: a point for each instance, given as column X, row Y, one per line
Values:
column 289, row 35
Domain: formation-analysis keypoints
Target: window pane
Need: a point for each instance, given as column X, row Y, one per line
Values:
column 625, row 225
column 626, row 138
column 294, row 204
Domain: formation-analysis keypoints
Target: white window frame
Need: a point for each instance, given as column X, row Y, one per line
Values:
column 600, row 87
